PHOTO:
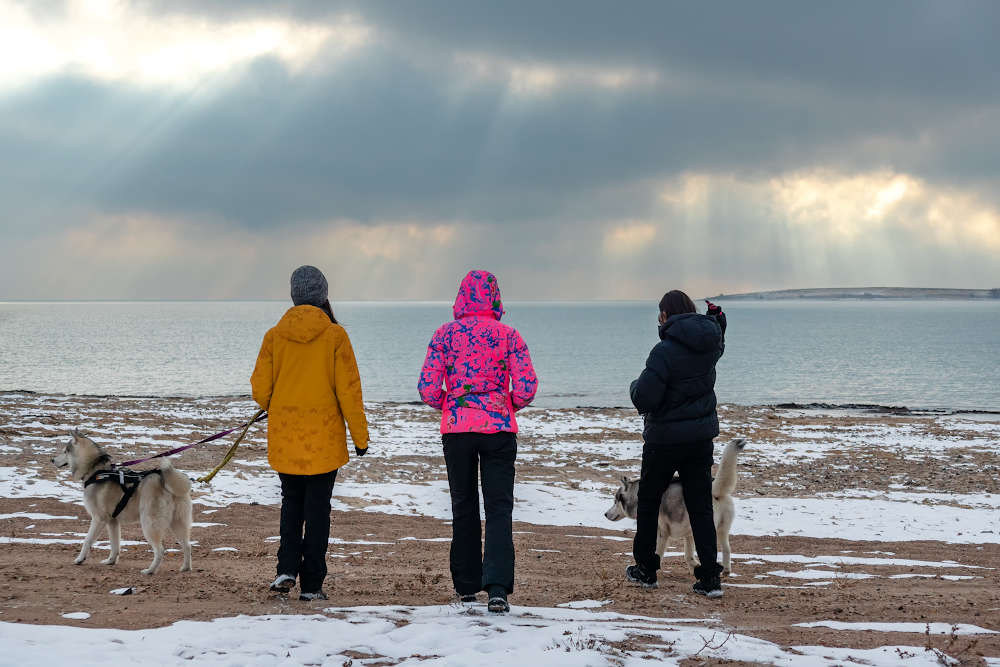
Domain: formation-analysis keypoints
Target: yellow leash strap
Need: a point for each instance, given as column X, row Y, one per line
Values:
column 232, row 451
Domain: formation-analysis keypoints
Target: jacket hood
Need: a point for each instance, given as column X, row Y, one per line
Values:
column 479, row 295
column 699, row 332
column 303, row 323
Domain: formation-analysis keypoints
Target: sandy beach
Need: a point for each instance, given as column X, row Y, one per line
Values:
column 844, row 516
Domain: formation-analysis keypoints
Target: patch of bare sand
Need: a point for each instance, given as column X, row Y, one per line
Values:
column 372, row 564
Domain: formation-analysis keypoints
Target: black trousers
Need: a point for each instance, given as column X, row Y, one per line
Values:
column 305, row 499
column 694, row 464
column 467, row 455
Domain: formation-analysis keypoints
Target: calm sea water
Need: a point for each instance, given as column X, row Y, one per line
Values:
column 919, row 354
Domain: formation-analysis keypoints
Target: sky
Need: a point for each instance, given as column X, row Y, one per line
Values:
column 579, row 150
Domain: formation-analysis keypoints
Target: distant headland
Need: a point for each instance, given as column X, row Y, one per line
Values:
column 867, row 293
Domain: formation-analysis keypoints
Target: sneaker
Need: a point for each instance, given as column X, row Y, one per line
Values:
column 309, row 597
column 636, row 573
column 711, row 587
column 283, row 583
column 471, row 597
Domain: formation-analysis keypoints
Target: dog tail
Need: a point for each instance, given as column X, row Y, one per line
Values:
column 725, row 477
column 175, row 482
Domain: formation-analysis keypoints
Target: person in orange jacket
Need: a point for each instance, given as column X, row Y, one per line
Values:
column 307, row 379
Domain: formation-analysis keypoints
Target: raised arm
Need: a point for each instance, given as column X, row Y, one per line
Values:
column 347, row 384
column 720, row 317
column 523, row 381
column 432, row 374
column 262, row 378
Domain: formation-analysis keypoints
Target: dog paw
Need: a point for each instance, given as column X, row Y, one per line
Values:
column 186, row 568
column 148, row 570
column 79, row 561
column 109, row 561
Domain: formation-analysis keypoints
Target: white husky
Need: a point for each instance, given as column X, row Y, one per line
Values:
column 161, row 501
column 674, row 521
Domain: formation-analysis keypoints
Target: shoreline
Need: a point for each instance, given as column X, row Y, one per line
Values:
column 812, row 406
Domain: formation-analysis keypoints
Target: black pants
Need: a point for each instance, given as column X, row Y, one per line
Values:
column 305, row 499
column 466, row 455
column 694, row 464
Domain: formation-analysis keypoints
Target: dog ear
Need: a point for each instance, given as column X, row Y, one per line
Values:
column 624, row 480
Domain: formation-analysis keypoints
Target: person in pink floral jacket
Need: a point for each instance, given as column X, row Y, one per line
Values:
column 478, row 373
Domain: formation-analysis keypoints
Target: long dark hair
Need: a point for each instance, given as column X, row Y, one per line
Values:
column 328, row 309
column 676, row 302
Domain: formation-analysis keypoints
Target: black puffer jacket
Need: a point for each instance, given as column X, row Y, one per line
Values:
column 676, row 391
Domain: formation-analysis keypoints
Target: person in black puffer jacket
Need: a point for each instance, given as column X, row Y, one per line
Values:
column 675, row 394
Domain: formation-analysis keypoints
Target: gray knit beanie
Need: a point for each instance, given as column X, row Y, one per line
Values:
column 309, row 287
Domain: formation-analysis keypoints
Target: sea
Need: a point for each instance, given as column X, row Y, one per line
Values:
column 924, row 355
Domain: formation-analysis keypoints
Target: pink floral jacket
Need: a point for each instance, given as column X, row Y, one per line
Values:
column 483, row 365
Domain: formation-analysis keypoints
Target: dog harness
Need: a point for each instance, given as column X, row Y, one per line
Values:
column 128, row 480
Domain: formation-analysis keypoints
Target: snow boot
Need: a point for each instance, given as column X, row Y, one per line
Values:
column 283, row 583
column 498, row 599
column 315, row 595
column 638, row 574
column 711, row 587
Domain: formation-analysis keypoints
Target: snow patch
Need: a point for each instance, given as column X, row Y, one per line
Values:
column 922, row 628
column 585, row 604
column 454, row 635
column 31, row 516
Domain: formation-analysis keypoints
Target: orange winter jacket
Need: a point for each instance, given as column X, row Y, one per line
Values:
column 307, row 379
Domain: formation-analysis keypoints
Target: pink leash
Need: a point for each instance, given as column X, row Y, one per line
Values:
column 177, row 450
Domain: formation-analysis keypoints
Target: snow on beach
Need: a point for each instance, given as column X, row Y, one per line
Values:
column 868, row 477
column 922, row 628
column 568, row 460
column 899, row 519
column 431, row 635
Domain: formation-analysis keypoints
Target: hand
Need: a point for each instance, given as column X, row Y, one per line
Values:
column 713, row 310
column 359, row 451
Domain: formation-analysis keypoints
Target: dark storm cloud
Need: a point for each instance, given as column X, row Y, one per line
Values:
column 386, row 136
column 902, row 47
column 763, row 87
column 406, row 129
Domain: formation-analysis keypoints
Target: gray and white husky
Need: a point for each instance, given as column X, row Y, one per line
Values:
column 674, row 521
column 161, row 501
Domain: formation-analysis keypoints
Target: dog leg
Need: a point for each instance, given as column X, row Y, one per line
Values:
column 154, row 537
column 689, row 552
column 182, row 531
column 662, row 533
column 115, row 537
column 96, row 526
column 726, row 552
column 157, row 559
